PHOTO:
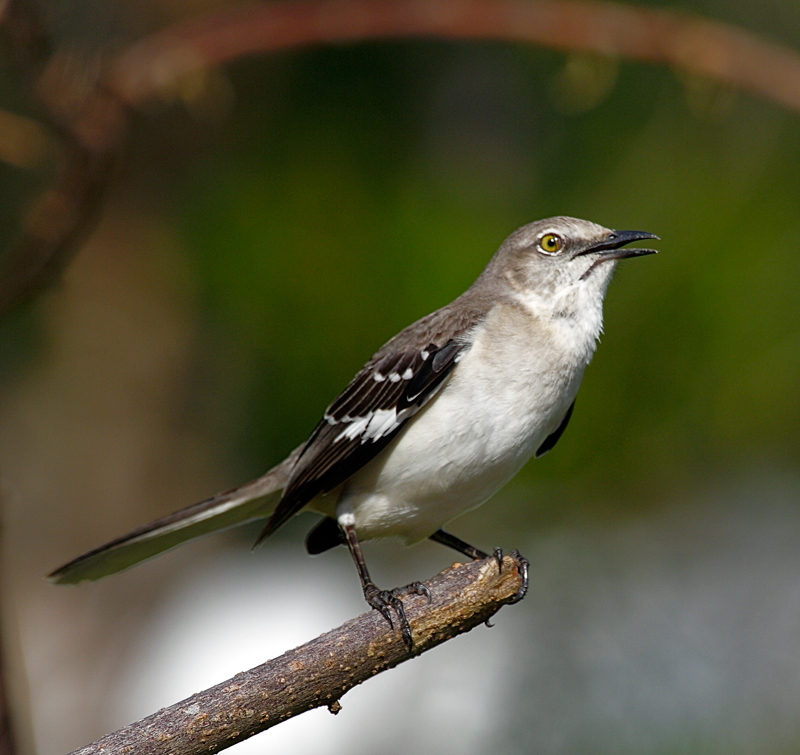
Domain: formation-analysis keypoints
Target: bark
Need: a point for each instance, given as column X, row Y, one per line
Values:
column 319, row 672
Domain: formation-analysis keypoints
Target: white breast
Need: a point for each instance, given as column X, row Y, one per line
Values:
column 509, row 392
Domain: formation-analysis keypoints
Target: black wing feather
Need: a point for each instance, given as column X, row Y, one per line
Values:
column 554, row 436
column 332, row 454
column 325, row 535
column 364, row 391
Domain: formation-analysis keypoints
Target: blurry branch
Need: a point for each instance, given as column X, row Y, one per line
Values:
column 89, row 114
column 23, row 34
column 55, row 225
column 705, row 48
column 318, row 673
column 88, row 121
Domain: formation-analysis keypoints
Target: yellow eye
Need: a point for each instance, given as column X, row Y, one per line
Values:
column 551, row 243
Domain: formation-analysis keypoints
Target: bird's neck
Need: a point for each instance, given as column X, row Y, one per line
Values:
column 573, row 317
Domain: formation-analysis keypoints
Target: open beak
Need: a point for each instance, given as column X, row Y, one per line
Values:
column 611, row 246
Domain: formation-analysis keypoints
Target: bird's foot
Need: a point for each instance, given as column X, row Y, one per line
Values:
column 522, row 567
column 415, row 588
column 386, row 600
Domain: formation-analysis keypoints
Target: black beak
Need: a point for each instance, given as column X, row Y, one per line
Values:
column 613, row 243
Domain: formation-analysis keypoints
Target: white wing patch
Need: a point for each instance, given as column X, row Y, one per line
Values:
column 354, row 428
column 380, row 423
column 383, row 422
column 372, row 426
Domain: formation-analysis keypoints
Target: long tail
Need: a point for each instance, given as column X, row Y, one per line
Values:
column 254, row 500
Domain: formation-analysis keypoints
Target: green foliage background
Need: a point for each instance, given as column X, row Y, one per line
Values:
column 369, row 185
column 305, row 206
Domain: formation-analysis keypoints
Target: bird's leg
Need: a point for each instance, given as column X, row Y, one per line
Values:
column 381, row 600
column 451, row 541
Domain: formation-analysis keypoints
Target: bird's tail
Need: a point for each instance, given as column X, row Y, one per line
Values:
column 254, row 500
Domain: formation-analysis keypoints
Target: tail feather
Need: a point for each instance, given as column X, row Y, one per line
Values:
column 253, row 500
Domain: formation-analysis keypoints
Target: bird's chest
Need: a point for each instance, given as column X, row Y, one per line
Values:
column 514, row 386
column 508, row 393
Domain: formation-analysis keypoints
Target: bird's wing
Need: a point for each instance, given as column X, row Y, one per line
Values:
column 553, row 438
column 394, row 385
column 312, row 466
column 254, row 500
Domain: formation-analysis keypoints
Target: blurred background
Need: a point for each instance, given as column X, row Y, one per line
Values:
column 262, row 238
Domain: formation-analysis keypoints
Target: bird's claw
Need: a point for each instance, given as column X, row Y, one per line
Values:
column 522, row 567
column 418, row 588
column 384, row 601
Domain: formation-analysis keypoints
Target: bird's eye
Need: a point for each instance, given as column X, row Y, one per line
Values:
column 551, row 243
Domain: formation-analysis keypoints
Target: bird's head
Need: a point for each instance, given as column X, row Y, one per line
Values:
column 564, row 257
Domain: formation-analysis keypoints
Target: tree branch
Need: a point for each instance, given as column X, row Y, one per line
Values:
column 90, row 114
column 319, row 672
column 89, row 122
column 705, row 48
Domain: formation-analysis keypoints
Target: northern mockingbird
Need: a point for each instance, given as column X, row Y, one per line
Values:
column 440, row 418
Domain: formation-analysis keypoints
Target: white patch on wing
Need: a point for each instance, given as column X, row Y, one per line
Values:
column 394, row 378
column 424, row 354
column 373, row 425
column 377, row 377
column 354, row 428
column 383, row 421
column 408, row 374
column 491, row 415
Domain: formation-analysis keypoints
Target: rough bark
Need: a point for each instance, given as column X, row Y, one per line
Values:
column 319, row 672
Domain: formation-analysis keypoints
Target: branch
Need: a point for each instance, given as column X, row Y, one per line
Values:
column 318, row 673
column 22, row 32
column 89, row 122
column 91, row 116
column 709, row 49
column 55, row 224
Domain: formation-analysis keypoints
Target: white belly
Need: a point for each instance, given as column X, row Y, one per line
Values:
column 501, row 402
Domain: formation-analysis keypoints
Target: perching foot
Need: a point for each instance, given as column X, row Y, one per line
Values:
column 522, row 566
column 386, row 600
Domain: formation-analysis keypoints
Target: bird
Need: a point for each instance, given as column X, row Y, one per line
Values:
column 440, row 418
